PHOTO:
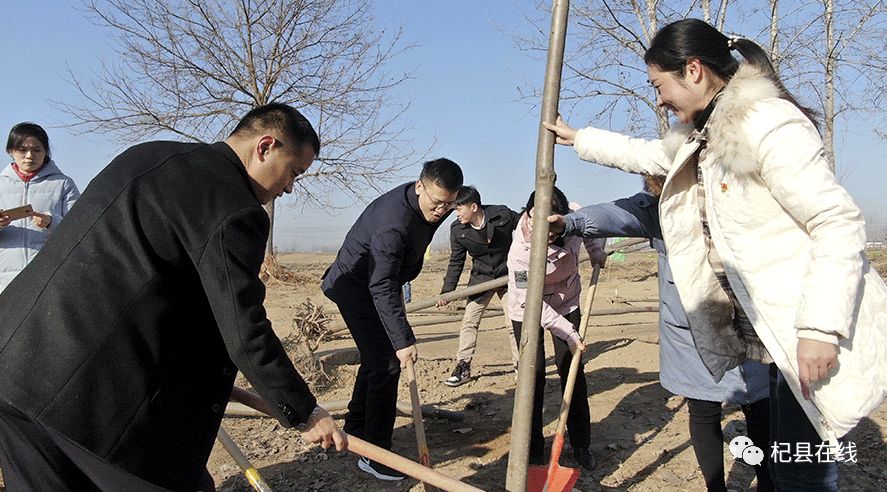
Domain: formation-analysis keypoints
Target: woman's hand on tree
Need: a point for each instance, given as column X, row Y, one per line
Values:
column 565, row 134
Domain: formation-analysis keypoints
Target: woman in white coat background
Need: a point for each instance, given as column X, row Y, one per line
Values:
column 767, row 249
column 32, row 179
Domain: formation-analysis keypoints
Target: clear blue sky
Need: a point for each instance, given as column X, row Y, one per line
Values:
column 464, row 96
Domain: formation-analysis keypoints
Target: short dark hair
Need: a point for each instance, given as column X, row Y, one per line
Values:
column 467, row 195
column 559, row 203
column 444, row 173
column 280, row 117
column 22, row 131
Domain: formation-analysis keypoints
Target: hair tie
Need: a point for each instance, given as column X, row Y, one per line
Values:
column 731, row 43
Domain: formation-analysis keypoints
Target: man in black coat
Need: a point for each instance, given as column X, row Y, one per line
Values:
column 120, row 342
column 383, row 250
column 484, row 232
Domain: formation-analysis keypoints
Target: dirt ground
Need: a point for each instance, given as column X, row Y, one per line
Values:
column 639, row 430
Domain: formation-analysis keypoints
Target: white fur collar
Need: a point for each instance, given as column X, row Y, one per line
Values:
column 728, row 146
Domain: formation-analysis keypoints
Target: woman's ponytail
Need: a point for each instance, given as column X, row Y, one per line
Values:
column 754, row 55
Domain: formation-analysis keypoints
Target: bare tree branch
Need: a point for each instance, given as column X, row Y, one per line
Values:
column 192, row 68
column 605, row 80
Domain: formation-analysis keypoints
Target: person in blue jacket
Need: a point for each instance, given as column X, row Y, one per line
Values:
column 384, row 249
column 681, row 370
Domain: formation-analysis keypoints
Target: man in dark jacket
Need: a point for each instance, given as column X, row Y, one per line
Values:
column 382, row 251
column 120, row 342
column 484, row 232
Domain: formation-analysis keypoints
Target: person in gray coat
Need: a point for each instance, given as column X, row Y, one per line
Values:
column 681, row 370
column 31, row 179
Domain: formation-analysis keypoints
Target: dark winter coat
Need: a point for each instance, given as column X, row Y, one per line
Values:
column 383, row 250
column 126, row 331
column 488, row 247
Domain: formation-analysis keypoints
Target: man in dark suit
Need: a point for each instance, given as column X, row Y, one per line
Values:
column 120, row 342
column 383, row 250
column 484, row 232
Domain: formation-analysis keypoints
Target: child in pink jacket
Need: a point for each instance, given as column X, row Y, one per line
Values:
column 560, row 315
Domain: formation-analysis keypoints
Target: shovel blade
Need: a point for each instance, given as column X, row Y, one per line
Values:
column 552, row 478
column 538, row 474
column 562, row 479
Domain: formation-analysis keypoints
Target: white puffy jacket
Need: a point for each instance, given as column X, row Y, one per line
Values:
column 791, row 239
column 50, row 192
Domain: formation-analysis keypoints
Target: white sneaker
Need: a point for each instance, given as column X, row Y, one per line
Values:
column 461, row 374
column 379, row 470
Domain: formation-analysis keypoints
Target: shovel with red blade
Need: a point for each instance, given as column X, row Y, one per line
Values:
column 555, row 477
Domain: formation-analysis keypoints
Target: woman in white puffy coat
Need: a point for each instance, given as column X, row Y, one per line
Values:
column 32, row 179
column 767, row 249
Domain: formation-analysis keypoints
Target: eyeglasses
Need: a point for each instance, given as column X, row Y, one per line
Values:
column 25, row 150
column 436, row 204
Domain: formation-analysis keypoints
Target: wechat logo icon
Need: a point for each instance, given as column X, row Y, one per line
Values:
column 743, row 449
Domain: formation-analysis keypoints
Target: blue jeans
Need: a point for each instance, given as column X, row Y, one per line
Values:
column 789, row 424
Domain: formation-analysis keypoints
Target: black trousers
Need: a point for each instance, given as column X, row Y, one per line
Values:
column 579, row 418
column 790, row 427
column 37, row 458
column 373, row 405
column 707, row 437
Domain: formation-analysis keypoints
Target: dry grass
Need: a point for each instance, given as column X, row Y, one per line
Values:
column 272, row 271
column 309, row 330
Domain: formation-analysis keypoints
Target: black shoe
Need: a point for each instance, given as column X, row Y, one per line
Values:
column 379, row 470
column 585, row 458
column 461, row 374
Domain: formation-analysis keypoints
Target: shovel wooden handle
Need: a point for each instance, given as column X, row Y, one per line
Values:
column 411, row 468
column 375, row 453
column 557, row 477
column 577, row 355
column 252, row 475
column 418, row 424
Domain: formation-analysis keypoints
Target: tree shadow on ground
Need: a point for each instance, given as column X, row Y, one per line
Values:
column 449, row 443
column 316, row 470
column 476, row 448
column 486, row 430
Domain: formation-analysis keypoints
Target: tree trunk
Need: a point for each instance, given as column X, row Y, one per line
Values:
column 775, row 57
column 661, row 113
column 269, row 246
column 518, row 456
column 828, row 134
column 722, row 15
